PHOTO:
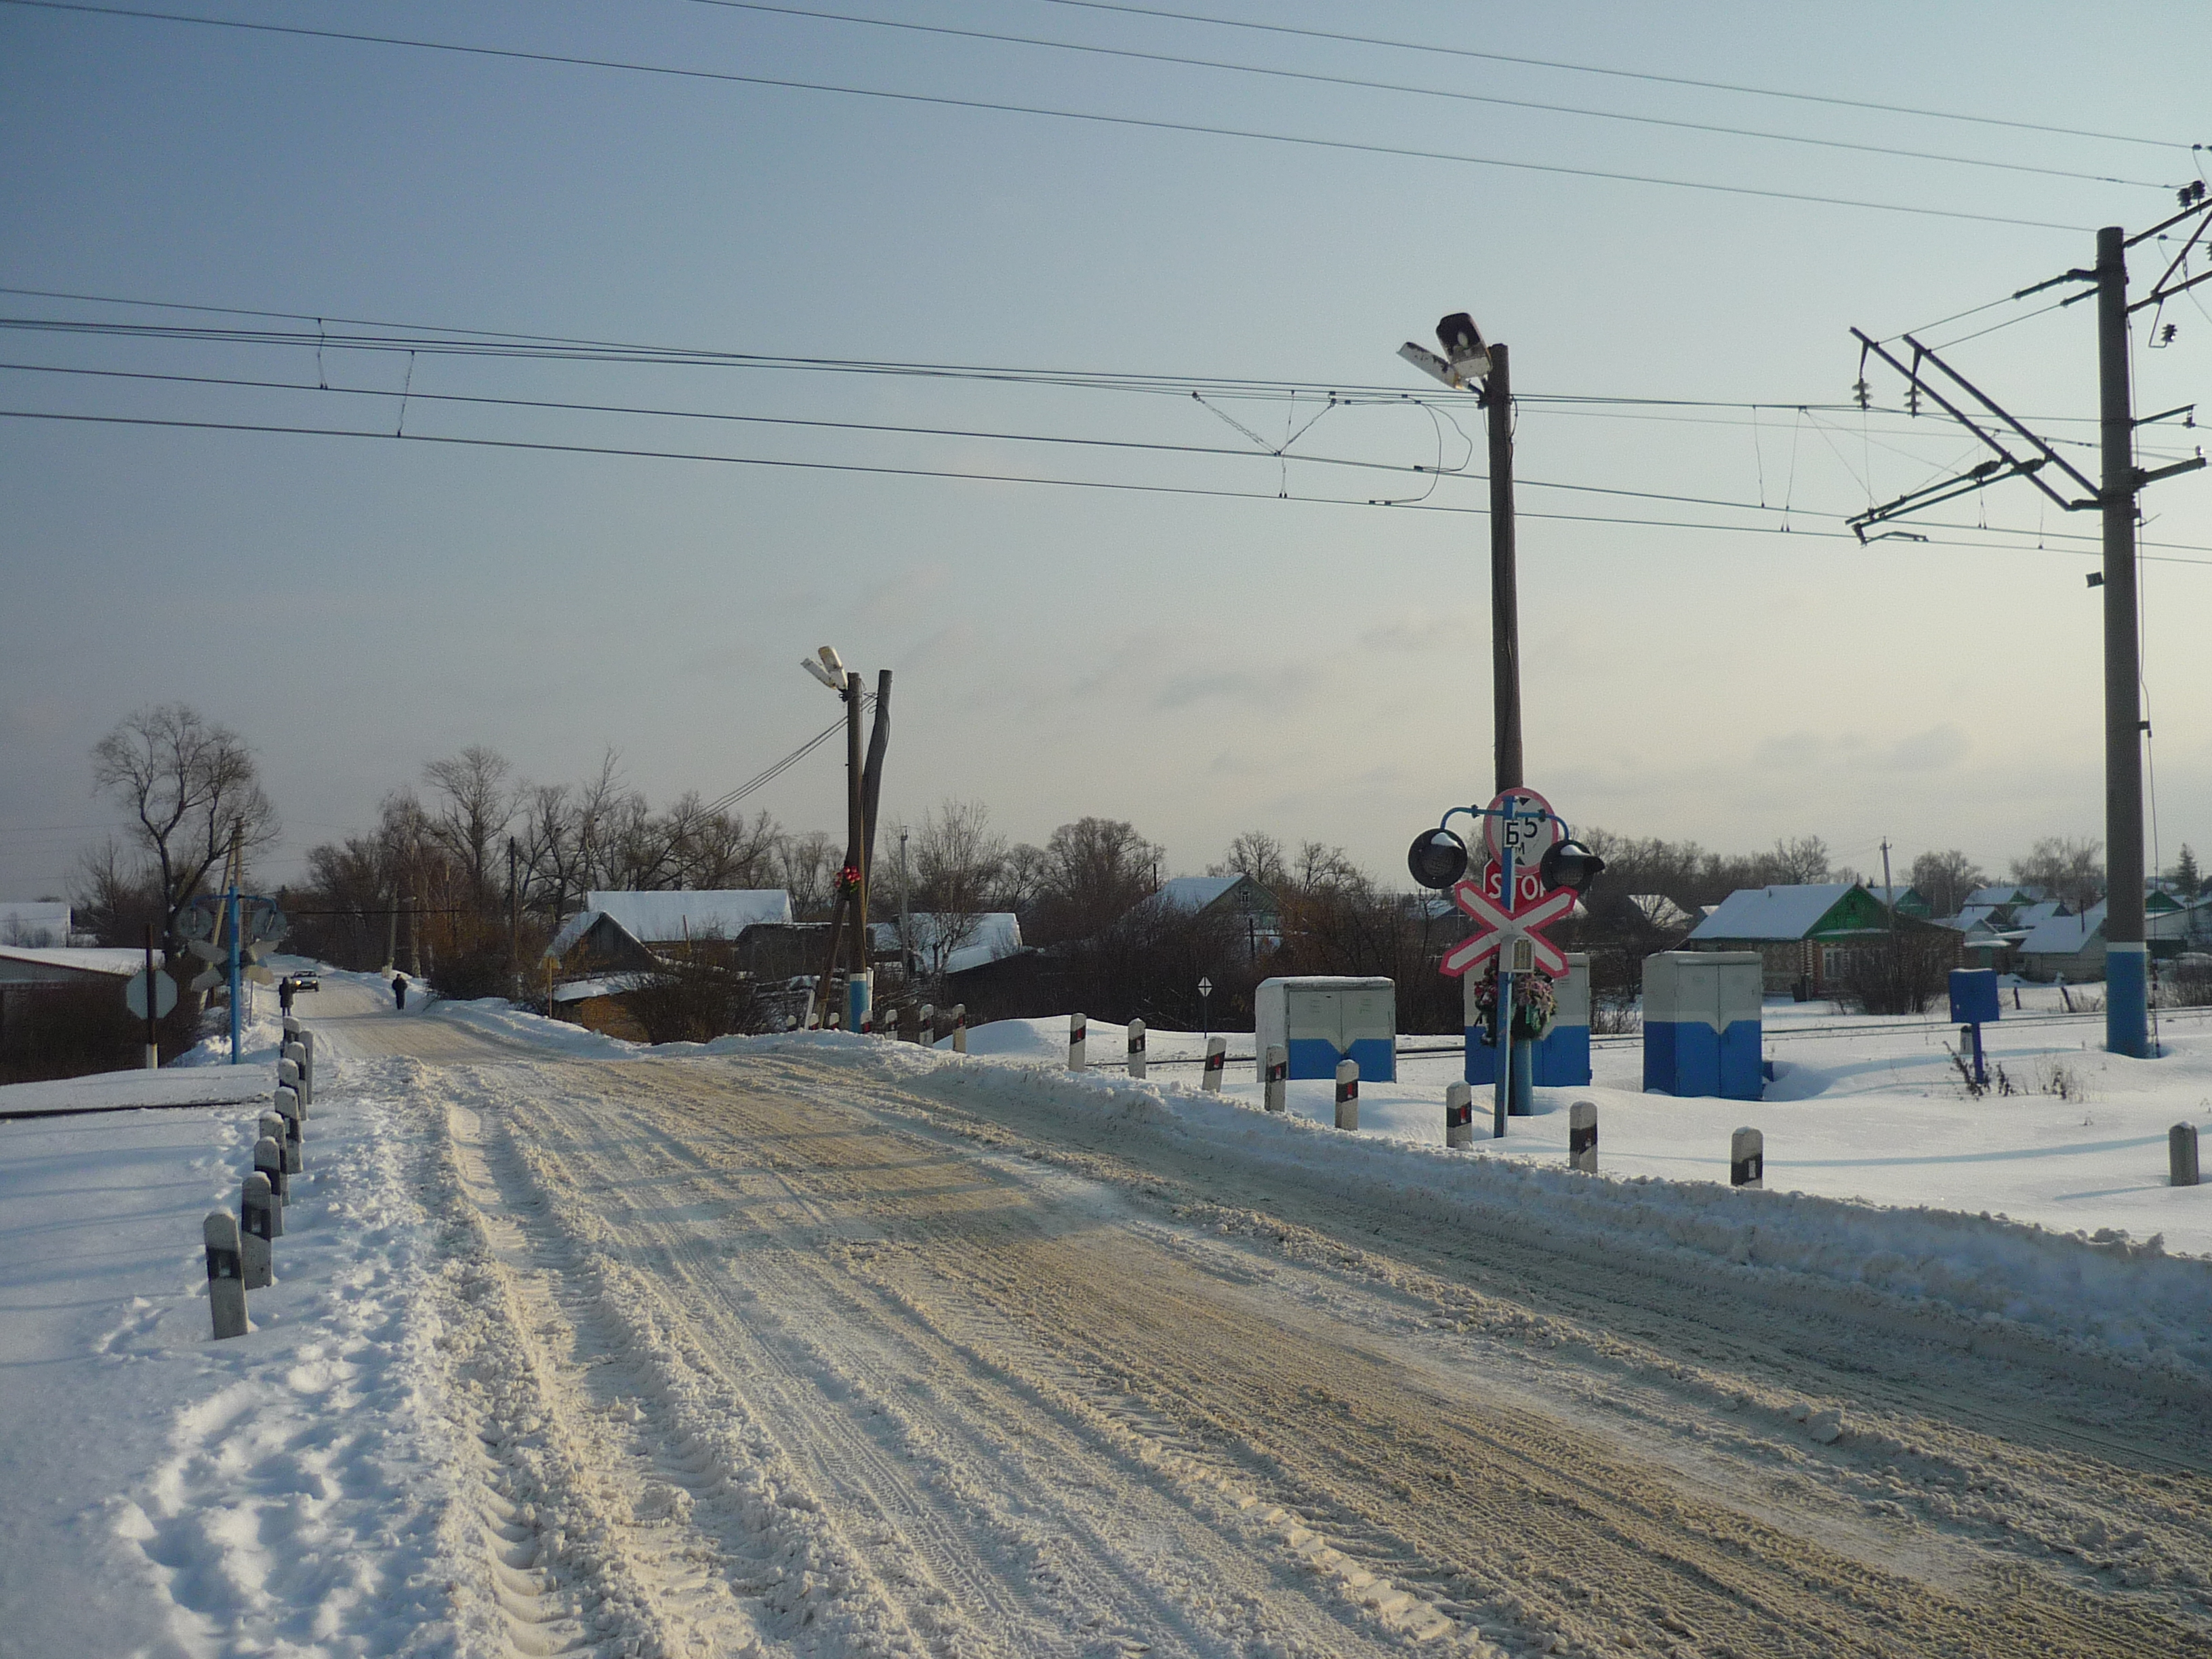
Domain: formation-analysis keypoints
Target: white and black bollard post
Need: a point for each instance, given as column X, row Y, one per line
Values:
column 1078, row 1036
column 1747, row 1158
column 290, row 1076
column 926, row 1035
column 1347, row 1094
column 959, row 1028
column 269, row 1160
column 1582, row 1136
column 1217, row 1059
column 256, row 1219
column 2181, row 1155
column 1275, row 1076
column 1137, row 1049
column 1459, row 1115
column 296, row 1053
column 226, row 1274
column 292, row 1142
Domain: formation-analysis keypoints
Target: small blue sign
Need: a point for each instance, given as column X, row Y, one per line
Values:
column 1973, row 995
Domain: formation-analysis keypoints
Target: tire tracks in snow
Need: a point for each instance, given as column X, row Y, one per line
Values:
column 827, row 1354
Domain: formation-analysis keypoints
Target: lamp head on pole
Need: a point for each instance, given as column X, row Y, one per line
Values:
column 1465, row 359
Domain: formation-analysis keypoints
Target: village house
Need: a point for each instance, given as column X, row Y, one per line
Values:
column 1808, row 937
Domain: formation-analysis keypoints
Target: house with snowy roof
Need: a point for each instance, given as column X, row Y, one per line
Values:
column 1808, row 936
column 1907, row 901
column 1251, row 907
column 2071, row 948
column 41, row 924
column 2006, row 892
column 617, row 932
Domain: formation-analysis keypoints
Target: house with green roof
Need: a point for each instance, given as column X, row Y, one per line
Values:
column 1808, row 937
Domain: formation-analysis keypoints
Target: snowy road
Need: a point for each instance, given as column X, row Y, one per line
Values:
column 777, row 1349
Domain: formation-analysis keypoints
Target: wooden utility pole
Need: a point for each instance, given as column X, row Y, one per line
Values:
column 2126, row 988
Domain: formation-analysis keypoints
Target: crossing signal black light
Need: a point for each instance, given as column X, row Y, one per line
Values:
column 1570, row 865
column 1437, row 858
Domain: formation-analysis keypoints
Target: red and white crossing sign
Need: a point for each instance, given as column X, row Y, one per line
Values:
column 1523, row 820
column 1501, row 923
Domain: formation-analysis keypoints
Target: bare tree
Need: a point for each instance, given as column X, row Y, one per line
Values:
column 478, row 804
column 957, row 861
column 1258, row 854
column 1945, row 878
column 191, row 785
column 1094, row 870
column 1797, row 863
column 2066, row 867
column 809, row 866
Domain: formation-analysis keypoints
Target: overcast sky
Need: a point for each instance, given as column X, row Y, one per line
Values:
column 1230, row 640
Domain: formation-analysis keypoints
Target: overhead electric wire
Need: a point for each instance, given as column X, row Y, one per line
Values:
column 1217, row 451
column 776, row 770
column 864, row 468
column 1358, row 84
column 1616, row 74
column 1404, row 152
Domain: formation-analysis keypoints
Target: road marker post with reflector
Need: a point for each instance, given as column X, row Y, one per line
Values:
column 226, row 1274
column 1275, row 1077
column 1459, row 1114
column 1217, row 1059
column 1582, row 1136
column 1077, row 1043
column 256, row 1219
column 1747, row 1158
column 2181, row 1155
column 1347, row 1094
column 1137, row 1049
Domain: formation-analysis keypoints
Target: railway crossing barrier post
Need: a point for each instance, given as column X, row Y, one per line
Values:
column 1276, row 1073
column 1747, row 1158
column 1459, row 1114
column 257, row 1216
column 1347, row 1094
column 959, row 1028
column 1582, row 1136
column 226, row 1279
column 1077, row 1043
column 2181, row 1154
column 1137, row 1050
column 1217, row 1059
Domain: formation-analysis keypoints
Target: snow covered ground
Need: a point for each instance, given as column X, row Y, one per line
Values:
column 829, row 1346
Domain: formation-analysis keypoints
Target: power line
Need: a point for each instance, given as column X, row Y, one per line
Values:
column 1402, row 152
column 1356, row 83
column 547, row 446
column 1621, row 75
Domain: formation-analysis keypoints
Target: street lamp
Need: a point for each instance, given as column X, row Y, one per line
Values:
column 1469, row 362
column 853, row 879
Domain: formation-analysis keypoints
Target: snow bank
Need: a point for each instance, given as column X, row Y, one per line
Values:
column 1982, row 1279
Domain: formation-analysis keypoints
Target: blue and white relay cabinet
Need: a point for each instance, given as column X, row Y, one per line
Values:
column 1701, row 1023
column 1320, row 1019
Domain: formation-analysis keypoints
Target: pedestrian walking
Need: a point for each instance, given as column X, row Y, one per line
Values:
column 399, row 991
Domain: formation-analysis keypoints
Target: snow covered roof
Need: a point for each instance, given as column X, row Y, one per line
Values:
column 1194, row 893
column 661, row 918
column 570, row 931
column 1660, row 910
column 1777, row 913
column 2005, row 892
column 995, row 933
column 35, row 922
column 119, row 963
column 2062, row 936
column 2032, row 916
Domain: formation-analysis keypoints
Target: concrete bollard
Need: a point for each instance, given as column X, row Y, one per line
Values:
column 1347, row 1094
column 269, row 1159
column 1137, row 1049
column 2181, row 1155
column 1275, row 1077
column 1747, row 1158
column 225, row 1275
column 292, row 1141
column 959, row 1028
column 257, row 1223
column 1582, row 1136
column 925, row 1031
column 1217, row 1058
column 289, row 1077
column 296, row 1054
column 1459, row 1115
column 1078, row 1038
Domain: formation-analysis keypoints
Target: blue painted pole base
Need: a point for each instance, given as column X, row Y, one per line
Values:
column 2127, row 1003
column 1523, row 1100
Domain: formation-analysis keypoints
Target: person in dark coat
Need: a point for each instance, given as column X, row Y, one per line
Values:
column 399, row 991
column 285, row 989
